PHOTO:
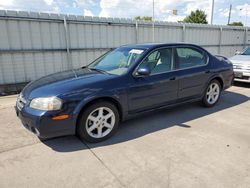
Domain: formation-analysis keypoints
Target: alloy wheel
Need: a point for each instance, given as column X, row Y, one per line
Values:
column 100, row 122
column 213, row 93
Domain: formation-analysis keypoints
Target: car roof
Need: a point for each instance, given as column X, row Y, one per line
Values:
column 158, row 45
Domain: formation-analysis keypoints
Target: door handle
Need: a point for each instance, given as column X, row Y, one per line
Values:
column 172, row 78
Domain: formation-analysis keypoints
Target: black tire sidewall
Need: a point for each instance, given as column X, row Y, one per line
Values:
column 204, row 100
column 81, row 124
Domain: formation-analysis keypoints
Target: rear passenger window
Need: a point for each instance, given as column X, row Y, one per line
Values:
column 189, row 57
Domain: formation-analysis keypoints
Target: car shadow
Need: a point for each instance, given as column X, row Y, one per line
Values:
column 150, row 123
column 242, row 84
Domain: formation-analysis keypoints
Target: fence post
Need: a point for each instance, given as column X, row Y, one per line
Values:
column 245, row 38
column 183, row 33
column 70, row 65
column 220, row 40
column 136, row 31
column 2, row 81
column 9, row 39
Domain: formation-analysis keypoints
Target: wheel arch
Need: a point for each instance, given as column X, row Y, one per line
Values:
column 215, row 77
column 98, row 99
column 219, row 79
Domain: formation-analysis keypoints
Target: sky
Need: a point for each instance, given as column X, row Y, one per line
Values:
column 131, row 8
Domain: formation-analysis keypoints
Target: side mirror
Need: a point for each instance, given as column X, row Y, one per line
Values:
column 145, row 71
column 237, row 52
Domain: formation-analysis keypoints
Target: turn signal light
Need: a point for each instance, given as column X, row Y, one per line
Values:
column 61, row 117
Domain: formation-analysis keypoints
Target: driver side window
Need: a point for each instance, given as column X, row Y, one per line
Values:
column 159, row 61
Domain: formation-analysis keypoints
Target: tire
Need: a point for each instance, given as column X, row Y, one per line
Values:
column 211, row 99
column 99, row 117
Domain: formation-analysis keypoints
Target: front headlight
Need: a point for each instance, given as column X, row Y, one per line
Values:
column 46, row 103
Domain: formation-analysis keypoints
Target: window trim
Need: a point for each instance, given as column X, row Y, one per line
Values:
column 172, row 62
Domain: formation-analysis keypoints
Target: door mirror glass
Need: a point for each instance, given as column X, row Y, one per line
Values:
column 143, row 71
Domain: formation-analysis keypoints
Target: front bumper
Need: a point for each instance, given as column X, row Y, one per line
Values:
column 242, row 76
column 41, row 123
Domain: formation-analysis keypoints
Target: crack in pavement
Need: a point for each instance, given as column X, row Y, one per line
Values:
column 27, row 145
column 19, row 147
column 89, row 148
column 102, row 162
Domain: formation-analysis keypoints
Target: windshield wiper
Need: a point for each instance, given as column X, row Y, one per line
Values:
column 98, row 70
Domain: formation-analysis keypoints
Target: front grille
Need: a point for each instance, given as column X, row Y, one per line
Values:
column 245, row 77
column 241, row 66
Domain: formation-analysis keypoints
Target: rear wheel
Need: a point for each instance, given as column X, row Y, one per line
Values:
column 212, row 94
column 98, row 122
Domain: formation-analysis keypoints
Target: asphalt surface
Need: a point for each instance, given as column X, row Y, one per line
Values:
column 186, row 146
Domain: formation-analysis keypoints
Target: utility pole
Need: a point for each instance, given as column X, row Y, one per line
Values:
column 229, row 16
column 153, row 22
column 212, row 12
column 246, row 17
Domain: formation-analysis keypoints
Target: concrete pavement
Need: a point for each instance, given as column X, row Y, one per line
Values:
column 187, row 146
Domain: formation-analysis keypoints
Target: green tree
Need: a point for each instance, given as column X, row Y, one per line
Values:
column 197, row 16
column 236, row 24
column 143, row 18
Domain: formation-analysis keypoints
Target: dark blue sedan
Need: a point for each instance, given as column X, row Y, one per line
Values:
column 91, row 101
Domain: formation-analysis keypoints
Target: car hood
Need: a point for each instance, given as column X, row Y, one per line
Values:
column 244, row 59
column 65, row 82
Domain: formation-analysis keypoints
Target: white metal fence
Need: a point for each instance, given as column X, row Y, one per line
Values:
column 36, row 44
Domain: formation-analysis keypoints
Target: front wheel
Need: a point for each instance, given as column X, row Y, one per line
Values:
column 98, row 122
column 212, row 94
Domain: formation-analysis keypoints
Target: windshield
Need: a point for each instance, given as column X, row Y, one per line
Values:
column 117, row 61
column 246, row 51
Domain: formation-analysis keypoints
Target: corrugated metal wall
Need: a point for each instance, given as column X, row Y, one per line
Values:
column 36, row 44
